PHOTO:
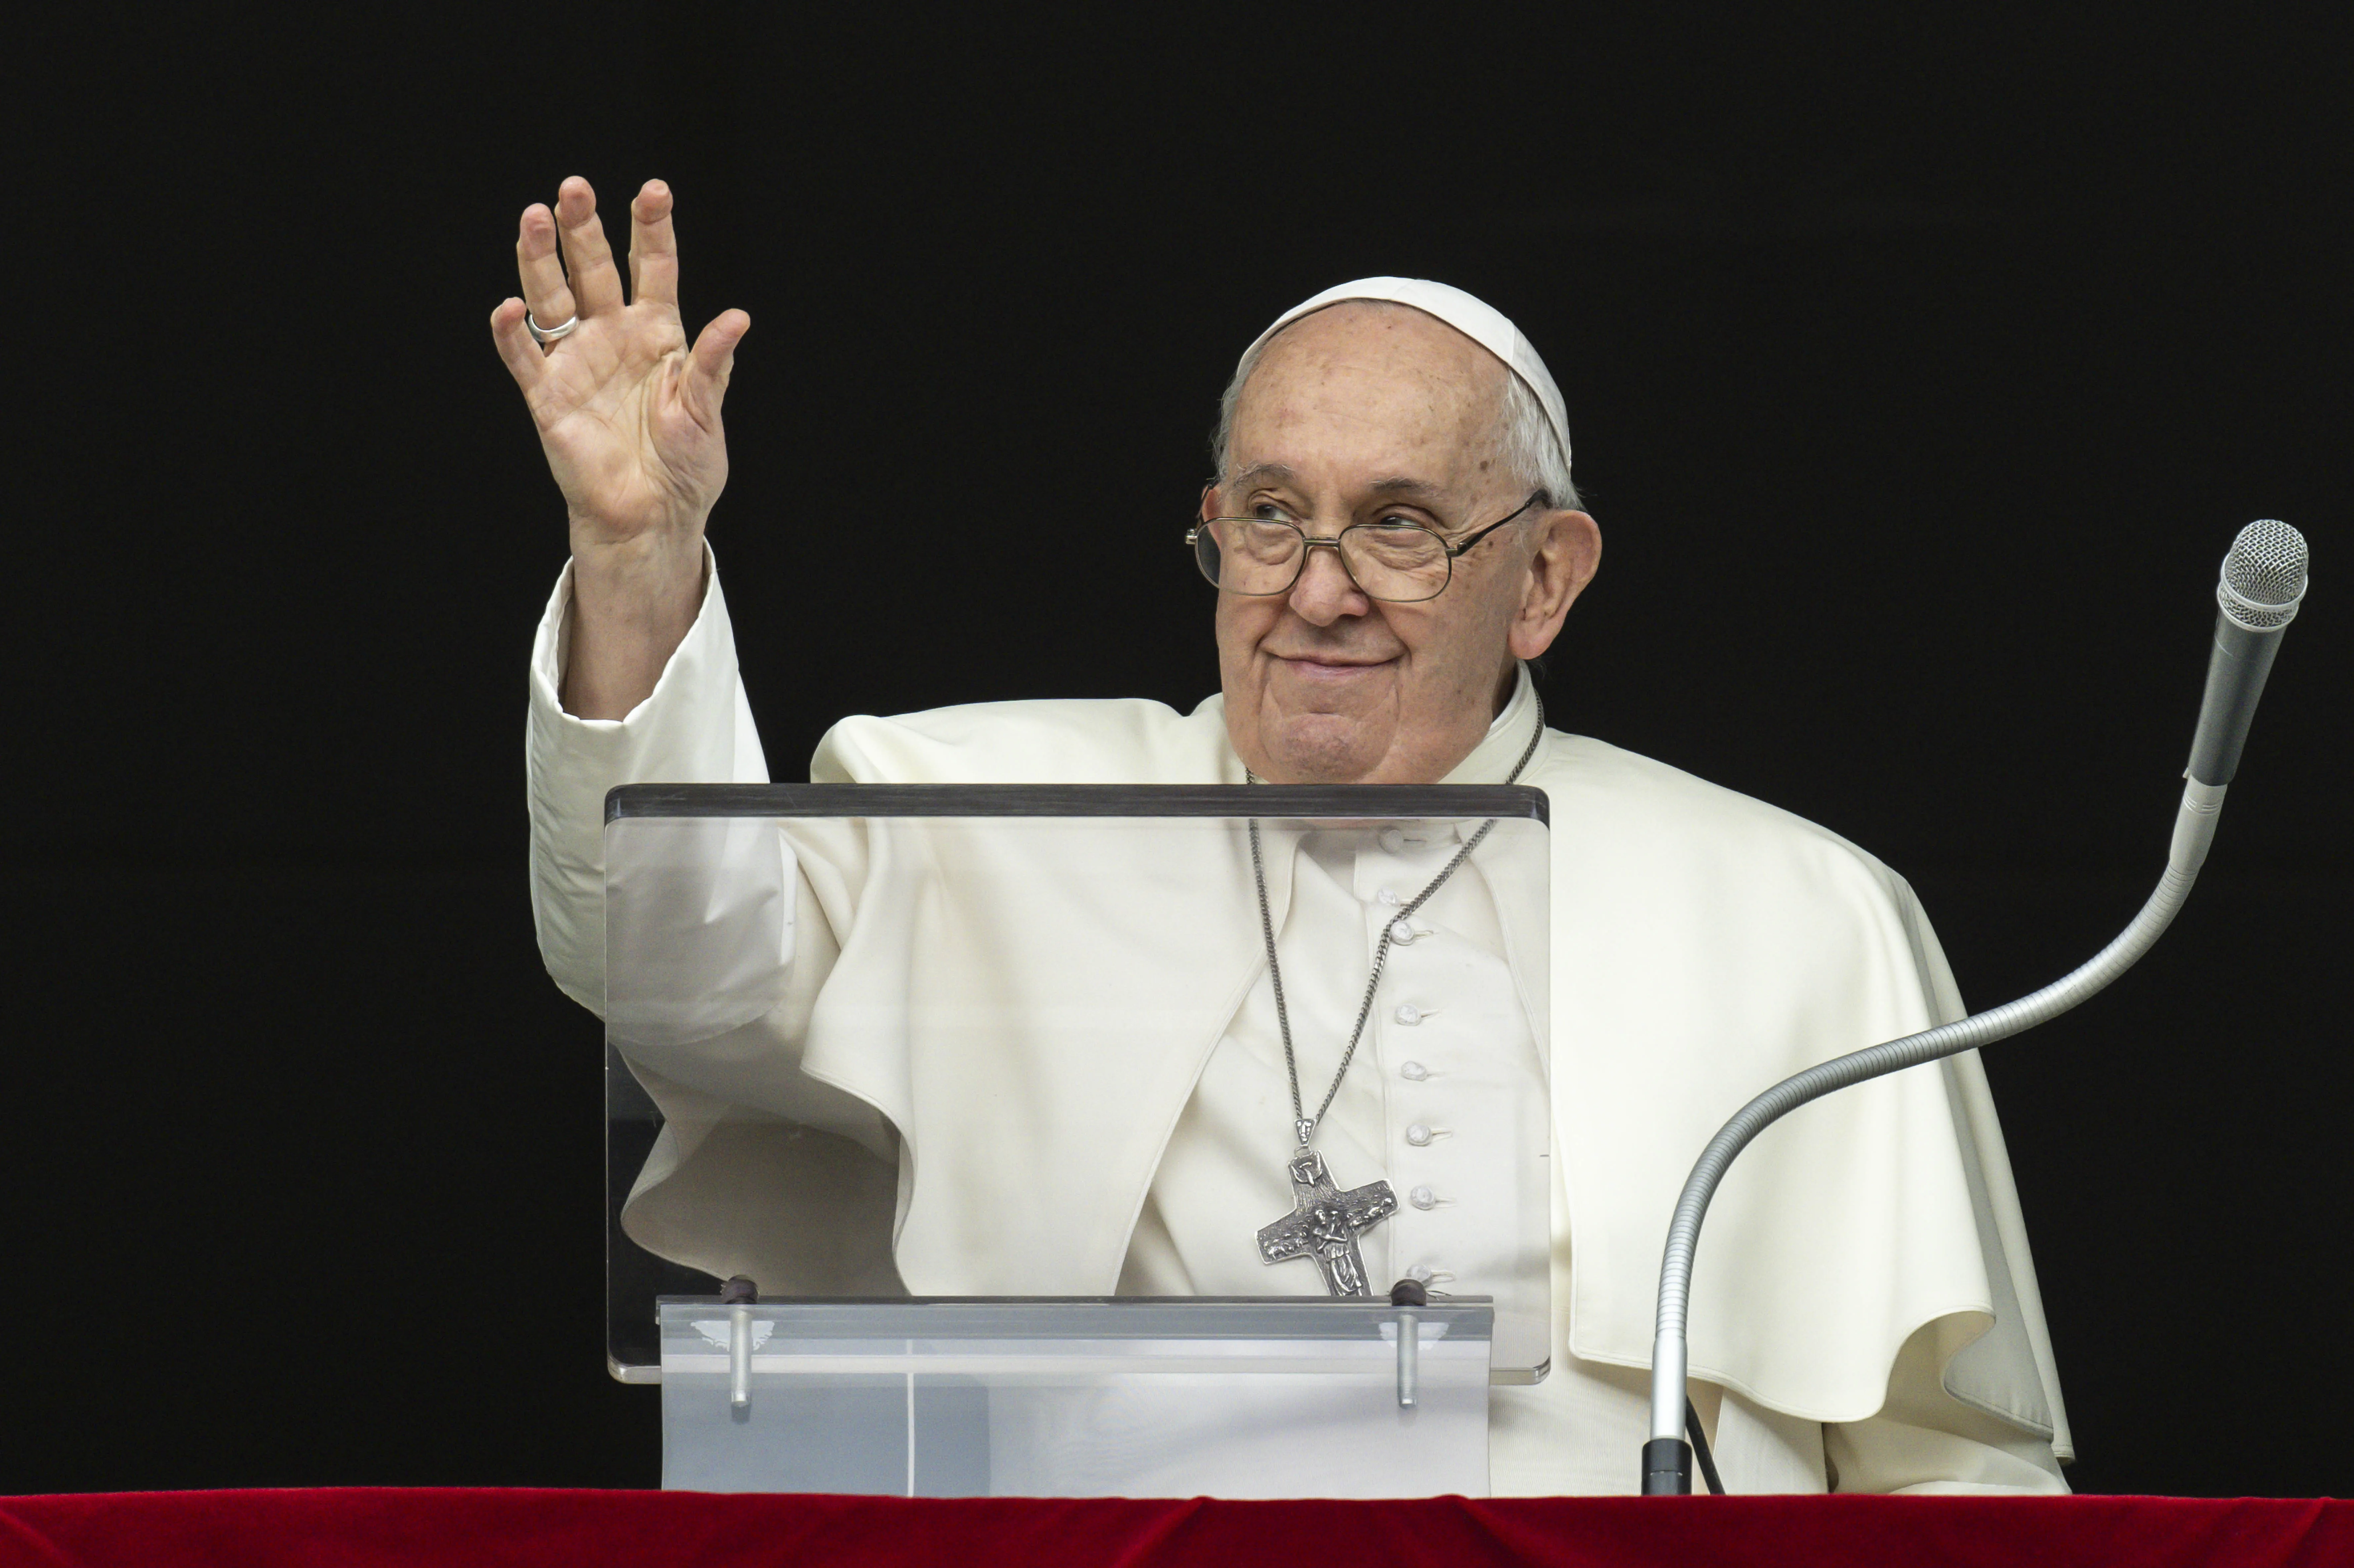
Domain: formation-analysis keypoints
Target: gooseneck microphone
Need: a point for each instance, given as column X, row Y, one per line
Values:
column 2264, row 582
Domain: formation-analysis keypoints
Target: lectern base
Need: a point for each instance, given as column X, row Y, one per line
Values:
column 1287, row 1397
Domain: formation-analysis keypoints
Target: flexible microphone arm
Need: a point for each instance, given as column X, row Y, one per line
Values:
column 2263, row 582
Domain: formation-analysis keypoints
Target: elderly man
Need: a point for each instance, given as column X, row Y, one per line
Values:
column 1394, row 533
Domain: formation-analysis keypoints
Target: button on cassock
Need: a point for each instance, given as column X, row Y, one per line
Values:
column 1417, row 1135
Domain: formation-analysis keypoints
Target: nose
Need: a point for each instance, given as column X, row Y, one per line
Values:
column 1325, row 591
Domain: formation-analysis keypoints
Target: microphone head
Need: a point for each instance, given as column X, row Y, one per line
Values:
column 2263, row 576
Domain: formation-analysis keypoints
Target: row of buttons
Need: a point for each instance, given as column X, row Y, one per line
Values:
column 1420, row 1135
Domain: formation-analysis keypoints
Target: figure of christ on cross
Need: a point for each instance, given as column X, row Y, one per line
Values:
column 1325, row 1224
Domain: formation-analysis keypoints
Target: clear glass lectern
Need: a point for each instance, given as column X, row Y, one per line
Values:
column 1029, row 1397
column 946, row 1083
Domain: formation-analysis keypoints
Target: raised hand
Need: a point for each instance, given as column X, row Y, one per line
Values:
column 629, row 417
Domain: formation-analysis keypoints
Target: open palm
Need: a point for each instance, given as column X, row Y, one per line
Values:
column 627, row 413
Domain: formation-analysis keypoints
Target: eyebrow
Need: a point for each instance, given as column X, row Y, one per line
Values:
column 1419, row 490
column 1264, row 473
column 1394, row 485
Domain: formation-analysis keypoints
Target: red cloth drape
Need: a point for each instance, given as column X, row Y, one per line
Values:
column 360, row 1527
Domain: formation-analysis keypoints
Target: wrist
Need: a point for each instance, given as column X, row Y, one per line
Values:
column 654, row 581
column 630, row 611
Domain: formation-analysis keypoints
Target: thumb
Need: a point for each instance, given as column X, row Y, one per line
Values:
column 709, row 365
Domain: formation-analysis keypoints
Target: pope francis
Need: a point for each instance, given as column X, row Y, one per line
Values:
column 1393, row 533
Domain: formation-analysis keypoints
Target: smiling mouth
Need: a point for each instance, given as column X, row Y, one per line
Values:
column 1330, row 669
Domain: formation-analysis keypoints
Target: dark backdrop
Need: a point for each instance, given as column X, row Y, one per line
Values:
column 1921, row 370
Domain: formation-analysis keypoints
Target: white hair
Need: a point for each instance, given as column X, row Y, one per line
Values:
column 1527, row 437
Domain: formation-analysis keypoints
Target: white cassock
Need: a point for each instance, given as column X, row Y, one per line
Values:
column 1864, row 1312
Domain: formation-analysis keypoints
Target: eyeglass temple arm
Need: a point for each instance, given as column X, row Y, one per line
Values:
column 1455, row 550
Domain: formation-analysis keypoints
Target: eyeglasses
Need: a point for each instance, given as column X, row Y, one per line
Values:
column 1392, row 560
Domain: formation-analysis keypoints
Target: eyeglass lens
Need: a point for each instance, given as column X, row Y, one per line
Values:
column 1254, row 556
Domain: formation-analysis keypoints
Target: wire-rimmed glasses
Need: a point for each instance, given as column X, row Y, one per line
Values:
column 1389, row 560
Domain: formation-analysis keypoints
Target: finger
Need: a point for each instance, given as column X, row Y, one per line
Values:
column 709, row 365
column 540, row 269
column 653, row 248
column 586, row 256
column 525, row 360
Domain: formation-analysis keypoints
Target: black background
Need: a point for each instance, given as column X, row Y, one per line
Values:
column 1921, row 369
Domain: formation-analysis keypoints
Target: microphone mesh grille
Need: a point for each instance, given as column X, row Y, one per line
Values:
column 2263, row 576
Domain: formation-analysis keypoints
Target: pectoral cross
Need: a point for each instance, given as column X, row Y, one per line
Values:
column 1325, row 1222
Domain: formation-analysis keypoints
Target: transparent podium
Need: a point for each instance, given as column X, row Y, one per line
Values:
column 1026, row 1397
column 890, row 1071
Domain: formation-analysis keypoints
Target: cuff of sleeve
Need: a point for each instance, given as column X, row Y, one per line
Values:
column 707, row 649
column 691, row 728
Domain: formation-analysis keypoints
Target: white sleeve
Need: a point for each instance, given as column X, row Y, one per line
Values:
column 758, row 1169
column 695, row 727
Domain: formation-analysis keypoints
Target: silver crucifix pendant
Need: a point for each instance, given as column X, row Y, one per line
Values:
column 1325, row 1222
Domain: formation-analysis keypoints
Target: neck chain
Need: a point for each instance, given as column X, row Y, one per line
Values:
column 1304, row 1125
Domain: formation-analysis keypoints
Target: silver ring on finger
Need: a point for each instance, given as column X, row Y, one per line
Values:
column 547, row 335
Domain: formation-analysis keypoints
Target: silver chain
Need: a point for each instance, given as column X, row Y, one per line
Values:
column 1302, row 1123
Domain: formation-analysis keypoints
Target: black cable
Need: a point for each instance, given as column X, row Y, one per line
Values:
column 1700, row 1451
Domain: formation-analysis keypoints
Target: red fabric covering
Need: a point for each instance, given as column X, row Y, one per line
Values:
column 363, row 1529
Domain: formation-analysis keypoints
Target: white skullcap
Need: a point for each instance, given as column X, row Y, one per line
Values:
column 1476, row 319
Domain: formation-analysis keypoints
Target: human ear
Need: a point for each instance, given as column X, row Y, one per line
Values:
column 1568, row 554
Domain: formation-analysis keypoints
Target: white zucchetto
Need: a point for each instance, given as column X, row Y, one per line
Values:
column 1476, row 319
